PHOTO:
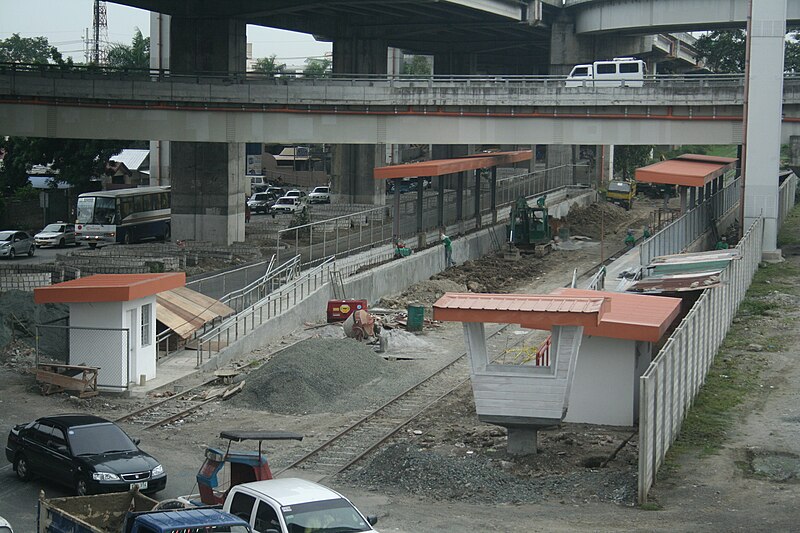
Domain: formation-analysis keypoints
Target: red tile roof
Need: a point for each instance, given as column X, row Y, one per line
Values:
column 631, row 316
column 109, row 288
column 442, row 167
column 531, row 311
column 691, row 170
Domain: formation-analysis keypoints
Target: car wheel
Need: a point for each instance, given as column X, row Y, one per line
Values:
column 21, row 467
column 11, row 253
column 32, row 251
column 61, row 243
column 92, row 245
column 81, row 487
column 127, row 238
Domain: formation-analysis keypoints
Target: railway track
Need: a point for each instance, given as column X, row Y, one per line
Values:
column 365, row 435
column 169, row 409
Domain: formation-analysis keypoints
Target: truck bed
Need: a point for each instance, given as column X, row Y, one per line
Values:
column 103, row 513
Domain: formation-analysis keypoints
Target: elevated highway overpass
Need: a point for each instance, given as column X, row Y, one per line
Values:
column 373, row 110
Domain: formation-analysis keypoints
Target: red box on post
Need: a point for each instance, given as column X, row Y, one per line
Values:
column 339, row 310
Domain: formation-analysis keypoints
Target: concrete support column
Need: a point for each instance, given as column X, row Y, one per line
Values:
column 522, row 440
column 353, row 164
column 478, row 198
column 494, row 193
column 420, row 212
column 208, row 179
column 559, row 165
column 682, row 193
column 460, row 197
column 208, row 192
column 159, row 60
column 766, row 43
column 440, row 202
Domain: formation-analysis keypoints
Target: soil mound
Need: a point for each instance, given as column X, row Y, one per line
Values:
column 313, row 376
column 19, row 316
column 423, row 293
column 588, row 220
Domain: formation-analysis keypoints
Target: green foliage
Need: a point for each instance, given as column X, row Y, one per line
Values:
column 628, row 158
column 724, row 51
column 18, row 49
column 76, row 160
column 137, row 55
column 268, row 66
column 26, row 192
column 317, row 68
column 417, row 66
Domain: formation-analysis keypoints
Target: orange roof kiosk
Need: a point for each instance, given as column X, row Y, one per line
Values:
column 112, row 323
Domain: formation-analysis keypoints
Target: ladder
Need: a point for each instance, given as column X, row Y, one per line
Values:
column 337, row 284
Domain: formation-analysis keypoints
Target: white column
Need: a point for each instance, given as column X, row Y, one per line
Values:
column 763, row 127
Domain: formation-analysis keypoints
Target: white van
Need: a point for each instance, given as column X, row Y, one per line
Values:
column 617, row 72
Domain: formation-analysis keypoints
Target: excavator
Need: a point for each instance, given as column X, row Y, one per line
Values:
column 528, row 227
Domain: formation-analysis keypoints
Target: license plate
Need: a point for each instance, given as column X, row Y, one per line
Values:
column 140, row 485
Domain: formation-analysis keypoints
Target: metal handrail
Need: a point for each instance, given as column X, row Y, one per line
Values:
column 273, row 304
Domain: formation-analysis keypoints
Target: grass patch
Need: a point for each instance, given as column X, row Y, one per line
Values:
column 790, row 230
column 650, row 506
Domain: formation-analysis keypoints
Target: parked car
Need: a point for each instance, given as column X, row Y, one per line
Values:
column 320, row 195
column 277, row 191
column 85, row 452
column 261, row 202
column 287, row 204
column 14, row 243
column 292, row 504
column 258, row 184
column 296, row 193
column 58, row 234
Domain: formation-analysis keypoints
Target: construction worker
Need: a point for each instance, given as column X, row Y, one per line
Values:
column 722, row 244
column 646, row 232
column 448, row 249
column 630, row 240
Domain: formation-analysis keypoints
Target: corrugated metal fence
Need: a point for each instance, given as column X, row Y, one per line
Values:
column 668, row 387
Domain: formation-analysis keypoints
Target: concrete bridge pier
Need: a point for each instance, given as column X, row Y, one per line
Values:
column 208, row 179
column 352, row 165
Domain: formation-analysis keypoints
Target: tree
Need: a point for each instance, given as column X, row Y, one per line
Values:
column 18, row 49
column 137, row 55
column 317, row 68
column 268, row 66
column 628, row 158
column 417, row 66
column 76, row 160
column 724, row 51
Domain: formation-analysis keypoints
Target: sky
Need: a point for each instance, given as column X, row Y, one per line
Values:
column 64, row 23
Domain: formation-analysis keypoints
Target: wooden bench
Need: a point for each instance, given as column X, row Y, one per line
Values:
column 54, row 377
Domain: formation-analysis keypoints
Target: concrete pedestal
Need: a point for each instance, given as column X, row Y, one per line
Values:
column 522, row 440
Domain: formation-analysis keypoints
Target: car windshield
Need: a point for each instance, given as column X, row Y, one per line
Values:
column 619, row 186
column 6, row 235
column 328, row 516
column 96, row 210
column 285, row 201
column 99, row 439
column 54, row 228
column 321, row 189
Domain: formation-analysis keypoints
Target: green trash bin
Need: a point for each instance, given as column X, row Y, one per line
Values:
column 416, row 317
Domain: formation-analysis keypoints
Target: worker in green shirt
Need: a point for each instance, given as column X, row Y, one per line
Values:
column 722, row 244
column 448, row 249
column 630, row 240
column 646, row 233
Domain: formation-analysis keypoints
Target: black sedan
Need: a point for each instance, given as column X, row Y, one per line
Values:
column 88, row 453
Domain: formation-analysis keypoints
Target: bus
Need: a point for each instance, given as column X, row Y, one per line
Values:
column 123, row 215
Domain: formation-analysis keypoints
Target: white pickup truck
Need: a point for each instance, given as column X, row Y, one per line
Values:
column 294, row 505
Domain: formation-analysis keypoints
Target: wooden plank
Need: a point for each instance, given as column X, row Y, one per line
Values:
column 232, row 390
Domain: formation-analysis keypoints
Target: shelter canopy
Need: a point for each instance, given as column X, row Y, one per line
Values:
column 184, row 311
column 443, row 167
column 690, row 170
column 109, row 288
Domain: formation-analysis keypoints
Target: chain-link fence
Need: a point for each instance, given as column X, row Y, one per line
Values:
column 108, row 349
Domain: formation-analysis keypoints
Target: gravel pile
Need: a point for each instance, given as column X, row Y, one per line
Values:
column 493, row 273
column 19, row 316
column 476, row 478
column 315, row 376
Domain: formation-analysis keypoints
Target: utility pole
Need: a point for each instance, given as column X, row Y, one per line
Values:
column 99, row 32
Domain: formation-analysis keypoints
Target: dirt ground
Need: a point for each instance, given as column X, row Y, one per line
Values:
column 449, row 472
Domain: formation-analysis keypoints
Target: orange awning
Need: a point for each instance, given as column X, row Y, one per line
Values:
column 109, row 288
column 442, row 167
column 689, row 170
